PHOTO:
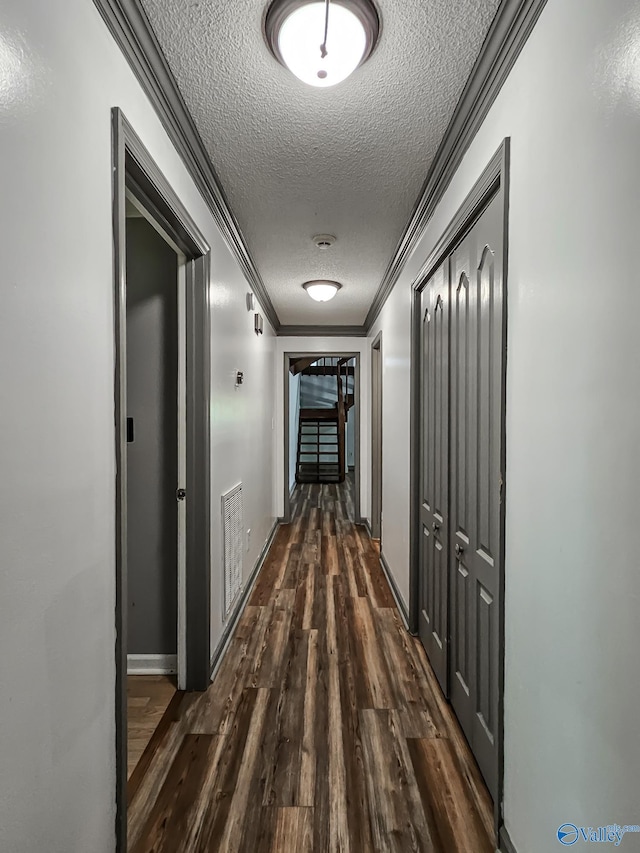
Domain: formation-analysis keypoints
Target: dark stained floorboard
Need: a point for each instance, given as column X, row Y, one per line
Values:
column 324, row 729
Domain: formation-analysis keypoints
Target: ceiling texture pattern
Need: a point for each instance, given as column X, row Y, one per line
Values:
column 295, row 161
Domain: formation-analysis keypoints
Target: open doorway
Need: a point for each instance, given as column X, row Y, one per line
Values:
column 155, row 374
column 162, row 391
column 322, row 417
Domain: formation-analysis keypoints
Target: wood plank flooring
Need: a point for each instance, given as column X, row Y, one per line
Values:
column 324, row 729
column 148, row 697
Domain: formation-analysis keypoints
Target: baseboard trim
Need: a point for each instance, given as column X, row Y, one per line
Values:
column 152, row 664
column 504, row 841
column 365, row 523
column 234, row 617
column 400, row 602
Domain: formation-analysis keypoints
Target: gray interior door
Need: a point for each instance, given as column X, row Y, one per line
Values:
column 477, row 400
column 434, row 472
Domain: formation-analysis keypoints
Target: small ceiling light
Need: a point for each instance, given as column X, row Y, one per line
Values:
column 322, row 291
column 322, row 42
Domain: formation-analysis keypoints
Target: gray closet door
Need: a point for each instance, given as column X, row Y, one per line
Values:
column 434, row 485
column 476, row 481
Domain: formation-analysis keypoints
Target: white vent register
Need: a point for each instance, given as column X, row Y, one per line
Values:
column 233, row 526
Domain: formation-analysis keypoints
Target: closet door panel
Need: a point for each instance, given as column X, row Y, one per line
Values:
column 477, row 400
column 488, row 255
column 434, row 468
column 463, row 480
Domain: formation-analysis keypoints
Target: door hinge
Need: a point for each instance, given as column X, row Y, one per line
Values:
column 181, row 494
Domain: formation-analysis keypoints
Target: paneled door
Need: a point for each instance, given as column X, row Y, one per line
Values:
column 434, row 471
column 475, row 458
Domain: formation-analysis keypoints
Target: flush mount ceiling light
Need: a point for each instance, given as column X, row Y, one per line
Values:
column 322, row 42
column 322, row 291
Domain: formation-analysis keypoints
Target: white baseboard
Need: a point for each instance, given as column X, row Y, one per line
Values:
column 400, row 602
column 152, row 664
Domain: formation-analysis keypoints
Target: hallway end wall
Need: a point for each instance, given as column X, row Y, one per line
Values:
column 571, row 107
column 61, row 74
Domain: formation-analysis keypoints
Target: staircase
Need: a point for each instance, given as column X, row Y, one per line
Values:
column 318, row 447
column 323, row 414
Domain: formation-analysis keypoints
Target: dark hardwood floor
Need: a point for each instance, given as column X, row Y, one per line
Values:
column 324, row 729
column 148, row 697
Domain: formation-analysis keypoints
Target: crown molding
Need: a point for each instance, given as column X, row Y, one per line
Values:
column 507, row 36
column 132, row 31
column 323, row 331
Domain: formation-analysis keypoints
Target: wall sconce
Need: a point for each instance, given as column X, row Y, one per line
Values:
column 258, row 324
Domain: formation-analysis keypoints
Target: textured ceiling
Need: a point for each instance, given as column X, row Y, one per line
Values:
column 295, row 161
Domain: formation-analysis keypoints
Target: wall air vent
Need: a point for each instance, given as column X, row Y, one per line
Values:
column 233, row 526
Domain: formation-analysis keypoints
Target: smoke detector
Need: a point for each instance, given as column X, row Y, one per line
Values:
column 324, row 241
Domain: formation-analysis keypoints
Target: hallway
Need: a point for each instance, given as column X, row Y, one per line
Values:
column 324, row 728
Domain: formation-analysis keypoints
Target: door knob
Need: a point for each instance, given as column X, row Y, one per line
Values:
column 459, row 551
column 436, row 526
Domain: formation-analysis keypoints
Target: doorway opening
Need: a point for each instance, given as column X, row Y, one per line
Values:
column 322, row 422
column 155, row 366
column 162, row 391
column 376, row 438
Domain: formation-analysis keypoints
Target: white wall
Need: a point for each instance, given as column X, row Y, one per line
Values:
column 61, row 73
column 395, row 323
column 572, row 109
column 242, row 422
column 322, row 345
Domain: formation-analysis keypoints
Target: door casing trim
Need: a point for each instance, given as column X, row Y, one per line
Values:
column 134, row 169
column 493, row 180
column 376, row 416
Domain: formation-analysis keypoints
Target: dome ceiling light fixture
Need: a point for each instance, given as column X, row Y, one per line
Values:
column 322, row 290
column 322, row 42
